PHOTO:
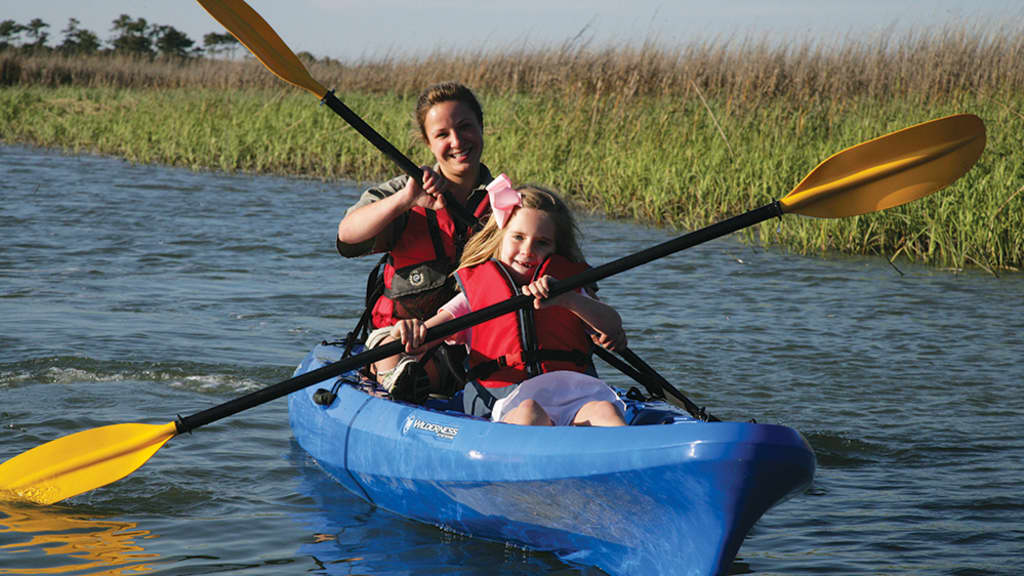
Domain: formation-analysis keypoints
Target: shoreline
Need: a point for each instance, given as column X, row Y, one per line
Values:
column 656, row 156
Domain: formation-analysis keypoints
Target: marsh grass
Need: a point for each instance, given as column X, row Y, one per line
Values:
column 680, row 137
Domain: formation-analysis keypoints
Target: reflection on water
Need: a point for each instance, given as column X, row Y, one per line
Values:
column 38, row 540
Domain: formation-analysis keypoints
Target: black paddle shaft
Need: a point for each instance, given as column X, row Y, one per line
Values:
column 457, row 210
column 585, row 278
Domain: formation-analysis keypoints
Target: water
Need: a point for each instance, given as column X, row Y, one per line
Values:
column 135, row 293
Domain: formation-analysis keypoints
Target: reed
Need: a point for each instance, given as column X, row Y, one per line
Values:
column 672, row 137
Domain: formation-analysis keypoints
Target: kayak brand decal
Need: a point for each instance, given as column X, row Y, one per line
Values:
column 440, row 431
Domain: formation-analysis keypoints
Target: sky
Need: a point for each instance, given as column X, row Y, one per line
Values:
column 368, row 29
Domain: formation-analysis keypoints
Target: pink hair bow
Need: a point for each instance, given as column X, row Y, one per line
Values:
column 504, row 199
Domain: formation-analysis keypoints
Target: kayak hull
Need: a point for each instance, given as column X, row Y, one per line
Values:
column 673, row 498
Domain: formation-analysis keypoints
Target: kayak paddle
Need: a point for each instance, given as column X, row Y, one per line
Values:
column 254, row 33
column 888, row 171
column 657, row 386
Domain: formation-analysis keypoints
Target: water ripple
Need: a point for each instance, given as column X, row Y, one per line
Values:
column 164, row 291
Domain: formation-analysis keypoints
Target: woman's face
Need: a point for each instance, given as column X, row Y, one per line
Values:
column 455, row 137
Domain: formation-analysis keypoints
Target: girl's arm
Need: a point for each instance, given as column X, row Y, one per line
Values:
column 601, row 317
column 413, row 331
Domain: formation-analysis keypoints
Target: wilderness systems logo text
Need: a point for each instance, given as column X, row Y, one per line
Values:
column 438, row 430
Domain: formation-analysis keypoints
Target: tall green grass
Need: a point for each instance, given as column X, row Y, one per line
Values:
column 680, row 138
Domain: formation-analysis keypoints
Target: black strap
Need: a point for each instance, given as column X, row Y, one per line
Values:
column 484, row 395
column 374, row 289
column 451, row 374
column 435, row 234
column 477, row 201
column 473, row 204
column 528, row 330
column 375, row 281
column 459, row 212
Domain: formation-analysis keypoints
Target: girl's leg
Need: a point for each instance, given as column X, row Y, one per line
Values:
column 598, row 413
column 528, row 413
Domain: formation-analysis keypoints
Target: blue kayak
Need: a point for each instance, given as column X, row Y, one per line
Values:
column 666, row 495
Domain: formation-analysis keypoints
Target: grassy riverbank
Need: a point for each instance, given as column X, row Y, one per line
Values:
column 682, row 139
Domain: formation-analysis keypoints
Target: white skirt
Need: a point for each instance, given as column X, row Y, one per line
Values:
column 561, row 394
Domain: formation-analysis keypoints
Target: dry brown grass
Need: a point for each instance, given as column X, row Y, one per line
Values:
column 921, row 65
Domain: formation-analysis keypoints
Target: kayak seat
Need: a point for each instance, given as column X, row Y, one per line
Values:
column 649, row 416
column 445, row 403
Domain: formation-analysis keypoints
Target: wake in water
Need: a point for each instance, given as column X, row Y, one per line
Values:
column 188, row 376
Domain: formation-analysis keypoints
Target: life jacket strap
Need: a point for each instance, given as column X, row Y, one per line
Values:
column 485, row 369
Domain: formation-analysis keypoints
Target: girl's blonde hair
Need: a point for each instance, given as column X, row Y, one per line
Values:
column 486, row 243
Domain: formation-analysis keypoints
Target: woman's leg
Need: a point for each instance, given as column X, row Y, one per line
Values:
column 598, row 413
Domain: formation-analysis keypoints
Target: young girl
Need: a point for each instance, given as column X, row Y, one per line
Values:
column 528, row 367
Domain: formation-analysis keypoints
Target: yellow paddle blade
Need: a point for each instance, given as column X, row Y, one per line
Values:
column 255, row 34
column 81, row 461
column 890, row 170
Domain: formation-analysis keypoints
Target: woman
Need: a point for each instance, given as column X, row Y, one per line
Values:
column 421, row 234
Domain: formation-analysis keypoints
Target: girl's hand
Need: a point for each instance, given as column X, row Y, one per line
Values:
column 601, row 318
column 410, row 332
column 431, row 194
column 611, row 342
column 540, row 289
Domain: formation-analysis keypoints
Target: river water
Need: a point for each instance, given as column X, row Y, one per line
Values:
column 136, row 293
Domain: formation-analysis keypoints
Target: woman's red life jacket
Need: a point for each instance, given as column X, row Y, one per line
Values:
column 417, row 272
column 508, row 349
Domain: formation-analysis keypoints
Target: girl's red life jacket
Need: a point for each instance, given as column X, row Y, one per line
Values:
column 508, row 349
column 417, row 272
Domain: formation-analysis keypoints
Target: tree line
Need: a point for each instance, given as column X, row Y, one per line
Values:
column 132, row 36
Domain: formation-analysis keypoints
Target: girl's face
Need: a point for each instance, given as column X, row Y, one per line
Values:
column 455, row 137
column 529, row 238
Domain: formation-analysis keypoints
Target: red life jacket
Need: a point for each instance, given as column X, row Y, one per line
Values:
column 417, row 272
column 508, row 349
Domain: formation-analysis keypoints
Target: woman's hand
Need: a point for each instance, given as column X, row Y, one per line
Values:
column 430, row 194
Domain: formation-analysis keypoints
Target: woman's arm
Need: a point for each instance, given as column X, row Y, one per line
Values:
column 366, row 222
